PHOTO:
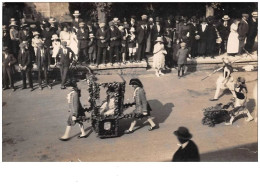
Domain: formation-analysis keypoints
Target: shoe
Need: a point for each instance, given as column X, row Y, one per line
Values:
column 249, row 119
column 80, row 137
column 228, row 123
column 213, row 99
column 41, row 88
column 63, row 87
column 153, row 128
column 64, row 139
column 13, row 89
column 49, row 86
column 128, row 131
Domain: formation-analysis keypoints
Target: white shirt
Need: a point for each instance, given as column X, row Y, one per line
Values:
column 158, row 28
column 203, row 27
column 183, row 145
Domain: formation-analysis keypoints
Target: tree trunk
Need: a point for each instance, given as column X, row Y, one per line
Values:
column 101, row 14
column 209, row 11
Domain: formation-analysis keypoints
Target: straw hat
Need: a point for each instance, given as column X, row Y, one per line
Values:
column 55, row 36
column 225, row 17
column 81, row 24
column 116, row 20
column 76, row 12
column 159, row 39
column 144, row 16
column 132, row 29
column 254, row 14
column 36, row 33
column 183, row 44
column 13, row 24
column 91, row 35
column 102, row 25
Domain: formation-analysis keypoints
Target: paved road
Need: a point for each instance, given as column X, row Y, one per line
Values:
column 33, row 122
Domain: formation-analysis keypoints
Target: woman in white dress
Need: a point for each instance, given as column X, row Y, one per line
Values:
column 233, row 42
column 73, row 43
column 159, row 56
column 65, row 35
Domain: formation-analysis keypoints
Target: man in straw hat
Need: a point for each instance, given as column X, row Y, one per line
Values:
column 224, row 30
column 115, row 36
column 25, row 64
column 188, row 150
column 8, row 60
column 65, row 55
column 252, row 32
column 242, row 32
column 77, row 112
column 43, row 60
column 142, row 107
column 102, row 37
column 76, row 20
column 82, row 37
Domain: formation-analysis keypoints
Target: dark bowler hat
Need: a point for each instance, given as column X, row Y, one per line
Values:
column 157, row 19
column 136, row 81
column 183, row 133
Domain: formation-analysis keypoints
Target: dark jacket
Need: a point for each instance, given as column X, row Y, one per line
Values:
column 47, row 36
column 6, row 61
column 105, row 34
column 224, row 30
column 252, row 31
column 189, row 154
column 142, row 35
column 115, row 33
column 45, row 62
column 82, row 39
column 65, row 59
column 242, row 29
column 24, row 37
column 156, row 33
column 25, row 59
column 6, row 40
column 92, row 46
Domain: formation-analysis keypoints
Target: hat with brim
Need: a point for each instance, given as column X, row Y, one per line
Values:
column 24, row 25
column 245, row 15
column 63, row 43
column 136, row 81
column 157, row 19
column 254, row 14
column 36, row 33
column 225, row 17
column 13, row 24
column 102, row 25
column 55, row 36
column 12, row 20
column 76, row 12
column 91, row 35
column 132, row 29
column 183, row 133
column 116, row 20
column 144, row 16
column 121, row 28
column 159, row 39
column 81, row 24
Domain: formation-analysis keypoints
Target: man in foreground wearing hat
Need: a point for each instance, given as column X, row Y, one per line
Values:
column 224, row 30
column 43, row 60
column 25, row 64
column 76, row 113
column 102, row 37
column 8, row 60
column 242, row 32
column 142, row 107
column 252, row 32
column 82, row 37
column 188, row 150
column 65, row 55
column 115, row 36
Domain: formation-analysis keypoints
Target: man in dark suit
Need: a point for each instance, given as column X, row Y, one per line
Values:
column 66, row 56
column 24, row 34
column 25, row 64
column 142, row 33
column 242, row 32
column 82, row 37
column 43, row 61
column 115, row 36
column 252, row 32
column 102, row 37
column 47, row 35
column 188, row 151
column 224, row 30
column 157, row 30
column 91, row 28
column 8, row 61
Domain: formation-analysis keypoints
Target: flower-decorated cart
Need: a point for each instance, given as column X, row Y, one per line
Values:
column 106, row 125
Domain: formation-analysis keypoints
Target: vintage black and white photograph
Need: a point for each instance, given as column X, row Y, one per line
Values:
column 129, row 81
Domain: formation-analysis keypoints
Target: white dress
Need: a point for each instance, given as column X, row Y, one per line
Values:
column 56, row 47
column 65, row 36
column 73, row 43
column 159, row 56
column 233, row 42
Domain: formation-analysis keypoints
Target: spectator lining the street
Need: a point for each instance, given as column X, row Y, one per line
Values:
column 182, row 56
column 159, row 56
column 233, row 41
